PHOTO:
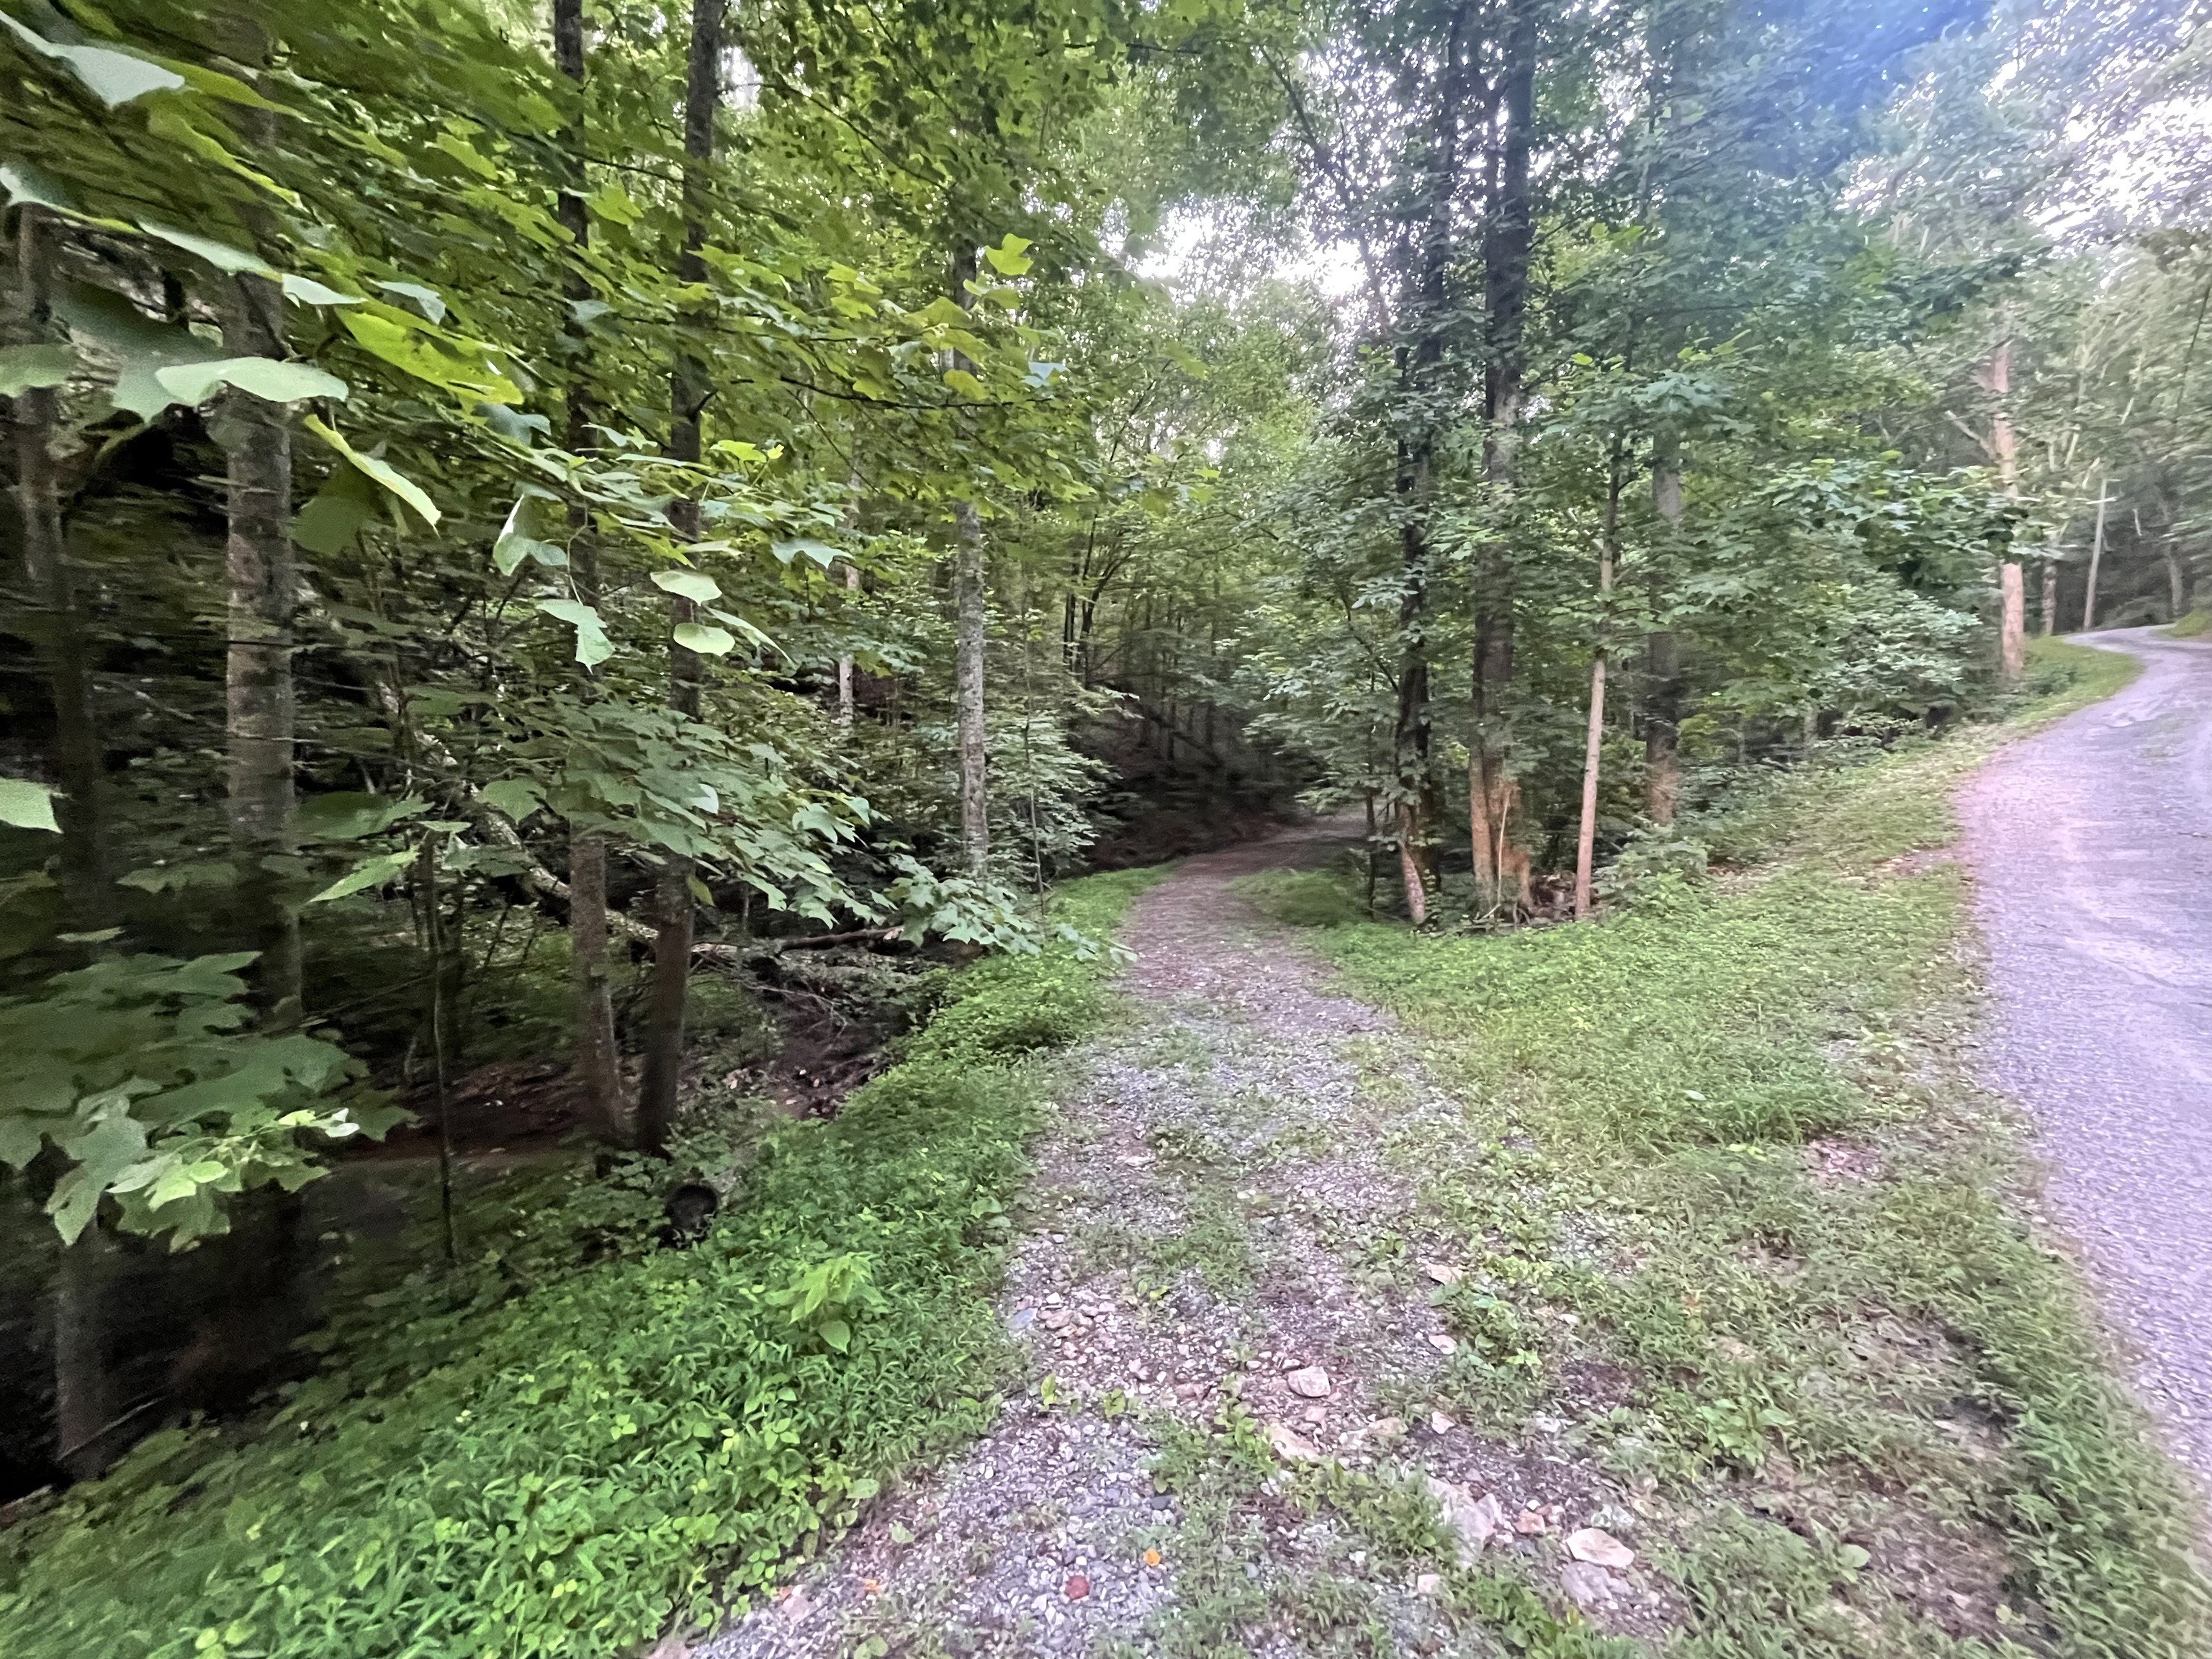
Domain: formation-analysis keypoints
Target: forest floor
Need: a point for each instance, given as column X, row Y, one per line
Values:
column 1579, row 1291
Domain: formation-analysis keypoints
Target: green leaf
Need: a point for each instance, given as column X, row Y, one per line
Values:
column 24, row 367
column 515, row 798
column 515, row 544
column 309, row 291
column 375, row 873
column 694, row 584
column 19, row 1142
column 349, row 815
column 706, row 642
column 113, row 1143
column 428, row 300
column 144, row 346
column 593, row 645
column 821, row 552
column 264, row 377
column 231, row 261
column 28, row 806
column 1007, row 258
column 330, row 523
column 113, row 77
column 382, row 470
column 836, row 1333
column 611, row 203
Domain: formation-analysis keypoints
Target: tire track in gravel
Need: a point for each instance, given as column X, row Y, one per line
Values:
column 2092, row 850
column 1198, row 1216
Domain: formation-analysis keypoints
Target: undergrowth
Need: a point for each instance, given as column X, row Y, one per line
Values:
column 538, row 1455
column 1723, row 1147
column 2191, row 625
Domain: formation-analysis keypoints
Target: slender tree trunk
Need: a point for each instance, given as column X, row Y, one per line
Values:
column 1500, row 867
column 2096, row 556
column 2177, row 582
column 1995, row 377
column 1662, row 661
column 1592, row 746
column 83, row 1395
column 598, row 1057
column 263, row 603
column 969, row 620
column 689, row 392
column 2050, row 598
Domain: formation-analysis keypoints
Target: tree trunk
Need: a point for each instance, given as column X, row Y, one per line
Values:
column 84, row 1398
column 263, row 602
column 1995, row 377
column 598, row 1057
column 671, row 949
column 1593, row 744
column 1501, row 869
column 2176, row 583
column 1662, row 662
column 969, row 614
column 2096, row 556
column 2050, row 598
column 58, row 624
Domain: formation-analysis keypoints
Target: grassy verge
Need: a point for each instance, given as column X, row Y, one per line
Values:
column 2195, row 625
column 1730, row 1198
column 544, row 1458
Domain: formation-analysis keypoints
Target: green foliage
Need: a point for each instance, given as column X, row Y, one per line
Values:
column 1808, row 1357
column 534, row 1457
column 1301, row 898
column 138, row 1071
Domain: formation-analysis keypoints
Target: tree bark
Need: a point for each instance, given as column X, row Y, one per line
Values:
column 50, row 584
column 263, row 603
column 2050, row 598
column 671, row 955
column 2096, row 556
column 2176, row 583
column 598, row 1057
column 1594, row 743
column 2002, row 445
column 969, row 618
column 1664, row 689
column 1501, row 869
column 84, row 1397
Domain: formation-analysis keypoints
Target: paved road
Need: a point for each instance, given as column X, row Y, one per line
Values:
column 2092, row 848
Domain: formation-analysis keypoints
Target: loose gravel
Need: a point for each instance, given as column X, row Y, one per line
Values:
column 2092, row 851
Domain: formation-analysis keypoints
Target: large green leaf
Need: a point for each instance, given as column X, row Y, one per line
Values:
column 694, row 584
column 706, row 642
column 142, row 346
column 25, row 367
column 231, row 261
column 264, row 377
column 593, row 645
column 28, row 806
column 113, row 77
column 378, row 469
column 371, row 873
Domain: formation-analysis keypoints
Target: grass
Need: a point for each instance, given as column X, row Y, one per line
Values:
column 2194, row 625
column 1732, row 1133
column 540, row 1456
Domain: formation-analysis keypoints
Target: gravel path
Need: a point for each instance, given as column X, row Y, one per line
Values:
column 2091, row 849
column 1198, row 1250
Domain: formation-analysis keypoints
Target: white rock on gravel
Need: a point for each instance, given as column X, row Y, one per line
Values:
column 1309, row 1381
column 1471, row 1520
column 1289, row 1445
column 1591, row 1586
column 1599, row 1548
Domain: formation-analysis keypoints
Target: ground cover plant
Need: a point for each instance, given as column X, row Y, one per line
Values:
column 1726, row 1177
column 561, row 1458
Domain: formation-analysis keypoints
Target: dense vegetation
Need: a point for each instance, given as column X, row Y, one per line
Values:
column 615, row 536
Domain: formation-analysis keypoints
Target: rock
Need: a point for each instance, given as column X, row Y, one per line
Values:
column 1384, row 1431
column 1428, row 1584
column 1735, row 1352
column 1442, row 1344
column 1187, row 1391
column 1442, row 1273
column 1309, row 1381
column 1078, row 1587
column 1599, row 1548
column 1471, row 1520
column 1022, row 1319
column 1615, row 1519
column 798, row 1604
column 1531, row 1522
column 1315, row 1413
column 1590, row 1586
column 1289, row 1444
column 1441, row 1423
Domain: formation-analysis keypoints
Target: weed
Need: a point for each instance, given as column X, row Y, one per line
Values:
column 565, row 1463
column 1301, row 898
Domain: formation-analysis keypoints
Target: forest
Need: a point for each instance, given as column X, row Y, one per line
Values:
column 607, row 604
